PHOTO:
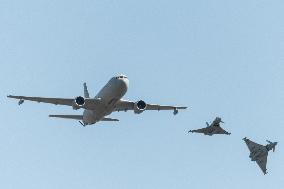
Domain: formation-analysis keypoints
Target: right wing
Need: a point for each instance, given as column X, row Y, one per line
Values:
column 124, row 105
column 220, row 130
column 262, row 163
column 89, row 103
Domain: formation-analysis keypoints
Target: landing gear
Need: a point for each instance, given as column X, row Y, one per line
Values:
column 83, row 124
column 21, row 102
column 175, row 111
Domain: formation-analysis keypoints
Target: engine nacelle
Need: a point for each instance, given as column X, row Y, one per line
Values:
column 139, row 107
column 78, row 103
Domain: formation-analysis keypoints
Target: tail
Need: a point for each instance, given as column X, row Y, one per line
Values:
column 86, row 92
column 271, row 145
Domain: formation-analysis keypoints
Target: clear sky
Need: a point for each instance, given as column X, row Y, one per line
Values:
column 220, row 58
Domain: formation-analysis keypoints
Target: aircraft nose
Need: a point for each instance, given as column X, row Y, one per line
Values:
column 124, row 82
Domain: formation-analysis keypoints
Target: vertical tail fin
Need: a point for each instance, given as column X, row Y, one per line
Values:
column 86, row 92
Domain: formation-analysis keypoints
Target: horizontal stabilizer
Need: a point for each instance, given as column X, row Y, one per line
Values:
column 109, row 119
column 77, row 117
column 80, row 117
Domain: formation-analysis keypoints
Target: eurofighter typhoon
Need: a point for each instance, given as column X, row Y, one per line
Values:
column 108, row 100
column 212, row 129
column 259, row 152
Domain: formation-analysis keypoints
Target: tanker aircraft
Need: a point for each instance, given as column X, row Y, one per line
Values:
column 108, row 100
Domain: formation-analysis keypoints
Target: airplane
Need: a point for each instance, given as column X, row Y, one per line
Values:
column 108, row 100
column 212, row 129
column 259, row 152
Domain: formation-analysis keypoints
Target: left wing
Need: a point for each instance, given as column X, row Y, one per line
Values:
column 262, row 163
column 56, row 101
column 89, row 103
column 252, row 146
column 205, row 130
column 124, row 105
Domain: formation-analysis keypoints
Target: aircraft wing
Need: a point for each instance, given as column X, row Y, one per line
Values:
column 56, row 101
column 220, row 130
column 89, row 103
column 252, row 146
column 202, row 130
column 262, row 163
column 124, row 105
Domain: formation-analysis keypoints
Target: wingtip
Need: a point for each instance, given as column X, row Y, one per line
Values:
column 13, row 96
column 181, row 107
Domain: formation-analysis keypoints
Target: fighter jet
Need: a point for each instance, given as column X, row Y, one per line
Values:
column 108, row 100
column 259, row 152
column 212, row 129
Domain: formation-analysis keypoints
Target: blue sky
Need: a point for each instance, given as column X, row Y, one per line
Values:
column 220, row 58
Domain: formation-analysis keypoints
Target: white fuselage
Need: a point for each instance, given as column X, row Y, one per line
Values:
column 109, row 95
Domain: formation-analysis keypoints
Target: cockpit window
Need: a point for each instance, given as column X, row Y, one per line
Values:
column 121, row 77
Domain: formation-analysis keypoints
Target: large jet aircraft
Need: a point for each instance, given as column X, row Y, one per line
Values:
column 108, row 100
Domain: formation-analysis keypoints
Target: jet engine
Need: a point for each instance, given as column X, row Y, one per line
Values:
column 78, row 102
column 139, row 107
